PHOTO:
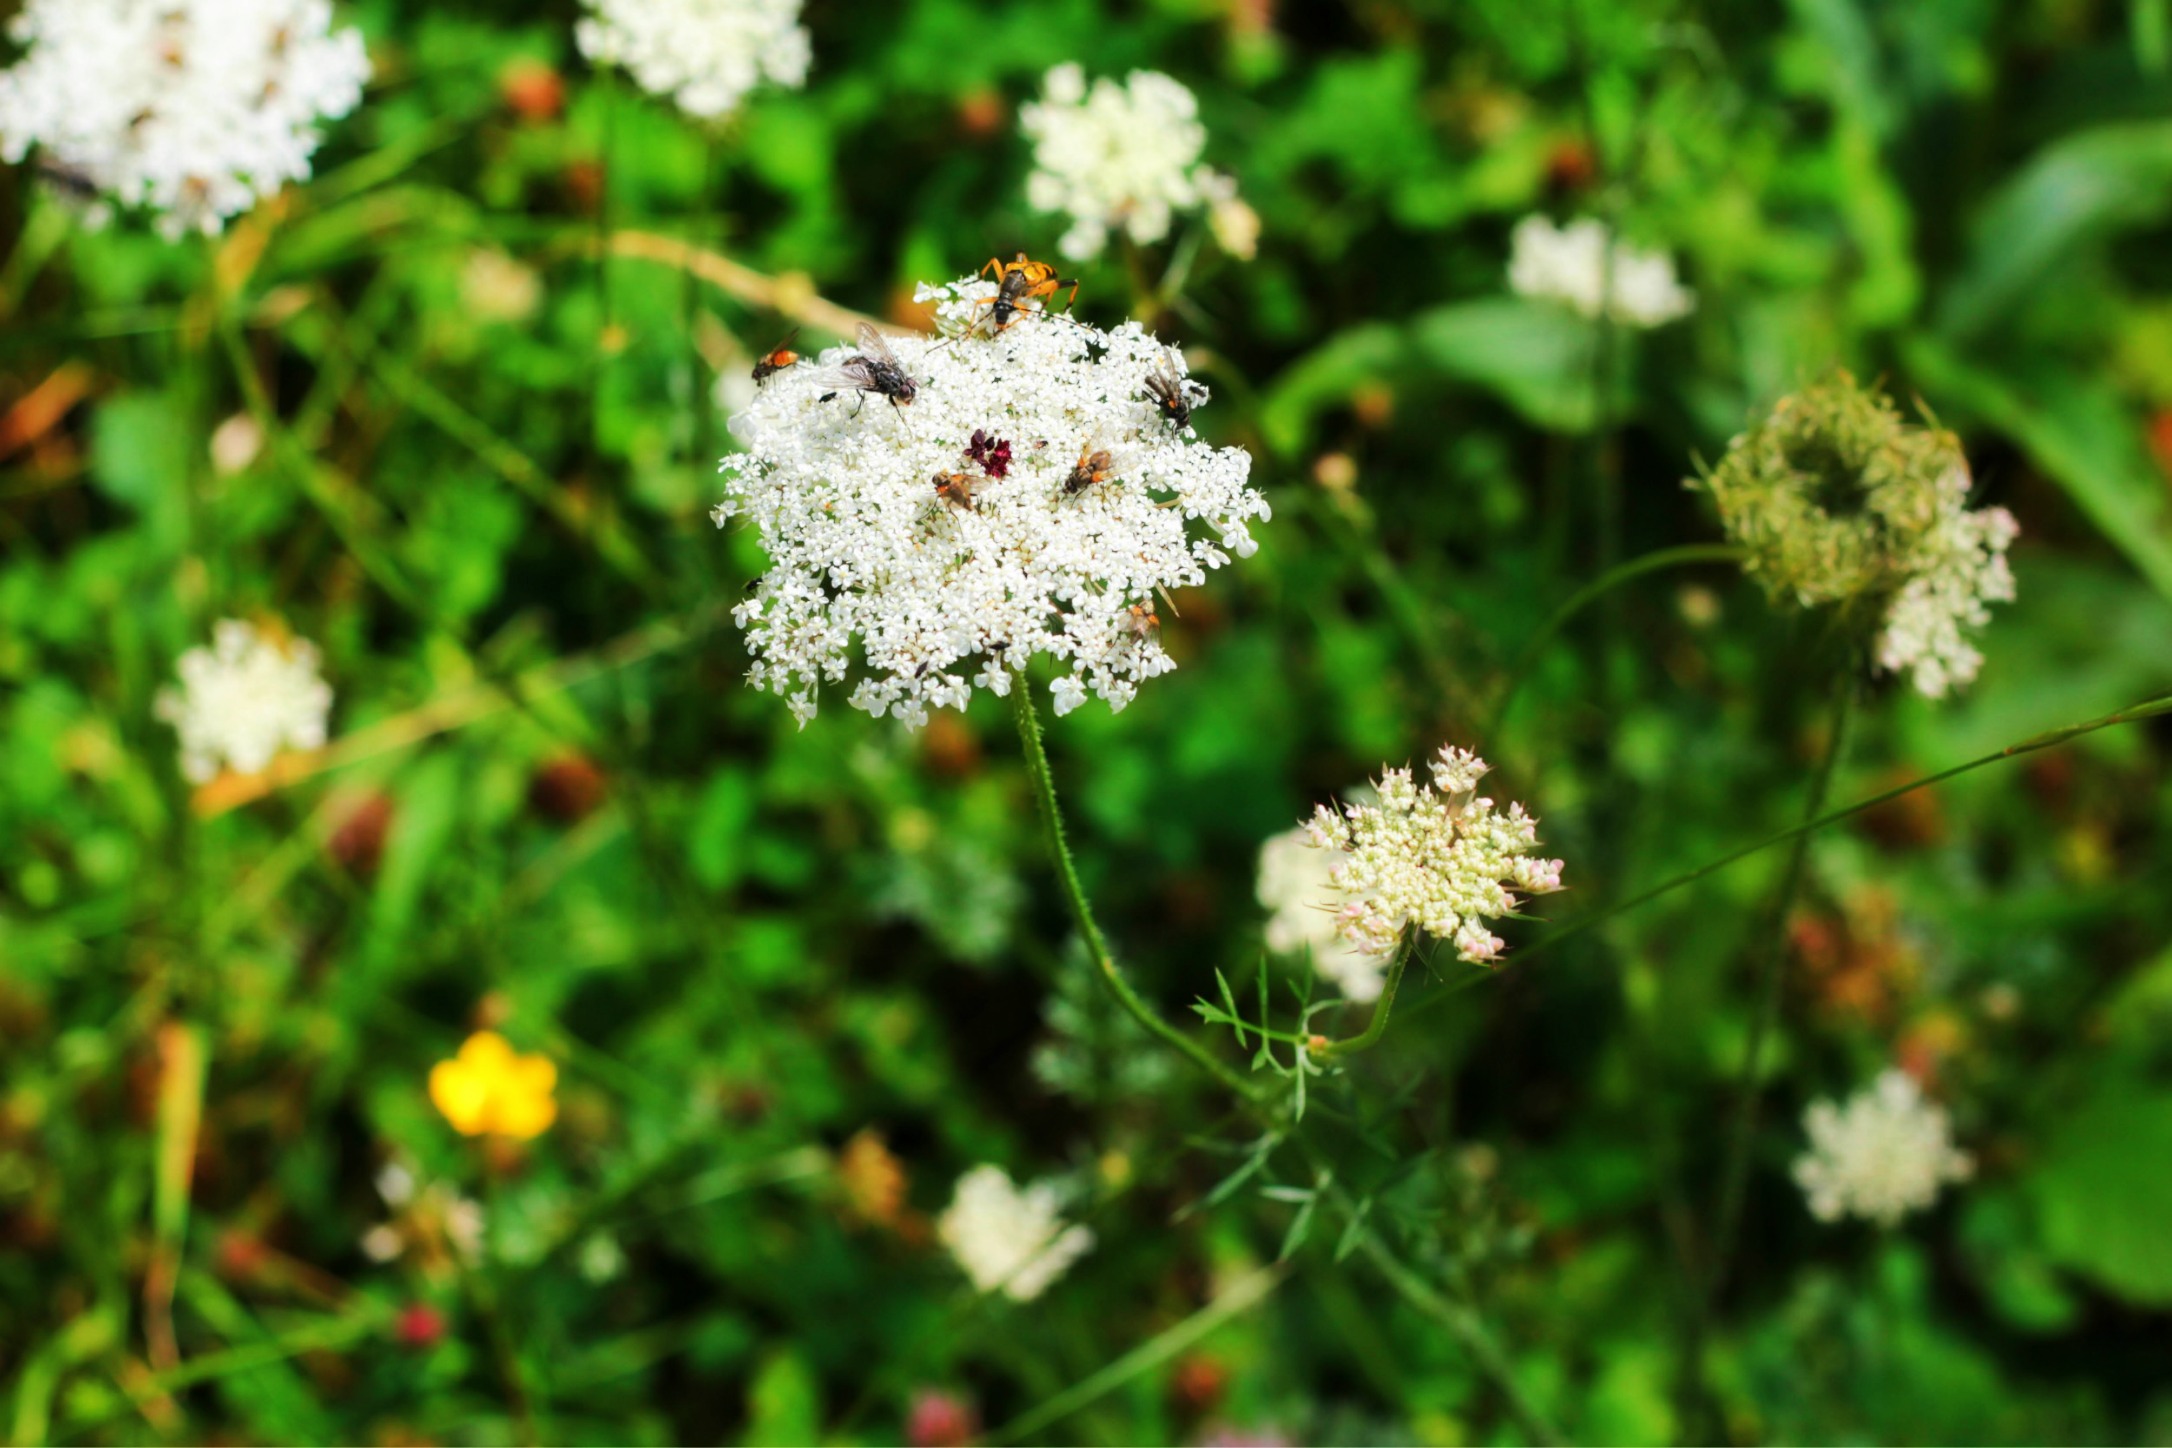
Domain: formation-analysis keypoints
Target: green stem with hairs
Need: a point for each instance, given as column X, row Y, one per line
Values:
column 1097, row 945
column 1378, row 1026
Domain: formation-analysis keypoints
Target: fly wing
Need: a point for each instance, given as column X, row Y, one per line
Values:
column 873, row 345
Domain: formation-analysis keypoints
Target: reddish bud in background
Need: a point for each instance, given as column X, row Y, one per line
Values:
column 1570, row 166
column 2160, row 440
column 359, row 840
column 981, row 113
column 1199, row 1383
column 568, row 789
column 532, row 90
column 584, row 185
column 419, row 1326
column 949, row 746
column 940, row 1420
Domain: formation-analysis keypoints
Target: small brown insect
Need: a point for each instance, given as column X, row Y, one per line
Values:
column 777, row 358
column 957, row 489
column 1167, row 387
column 1094, row 466
column 1141, row 622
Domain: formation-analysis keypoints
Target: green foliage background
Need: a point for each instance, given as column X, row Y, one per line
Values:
column 762, row 940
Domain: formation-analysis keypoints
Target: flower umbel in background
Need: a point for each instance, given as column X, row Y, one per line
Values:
column 867, row 543
column 435, row 1222
column 490, row 1089
column 1584, row 265
column 1297, row 886
column 1884, row 1154
column 1007, row 1239
column 1839, row 501
column 1124, row 155
column 244, row 699
column 704, row 55
column 1437, row 855
column 193, row 109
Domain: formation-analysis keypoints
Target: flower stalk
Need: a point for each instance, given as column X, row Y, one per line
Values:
column 1382, row 1008
column 1097, row 945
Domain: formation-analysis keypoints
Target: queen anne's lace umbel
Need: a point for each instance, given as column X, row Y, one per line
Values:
column 947, row 591
column 1439, row 855
column 705, row 55
column 1010, row 1240
column 193, row 109
column 1585, row 266
column 244, row 699
column 1124, row 155
column 1884, row 1154
column 1836, row 500
column 1296, row 885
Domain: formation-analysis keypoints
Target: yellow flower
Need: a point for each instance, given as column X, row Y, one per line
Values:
column 490, row 1088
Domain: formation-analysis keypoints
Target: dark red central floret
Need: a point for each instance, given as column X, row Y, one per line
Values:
column 992, row 455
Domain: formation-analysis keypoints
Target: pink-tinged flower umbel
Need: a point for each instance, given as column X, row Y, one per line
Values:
column 1439, row 856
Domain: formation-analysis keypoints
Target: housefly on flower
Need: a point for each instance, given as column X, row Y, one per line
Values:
column 874, row 368
column 777, row 358
column 1168, row 388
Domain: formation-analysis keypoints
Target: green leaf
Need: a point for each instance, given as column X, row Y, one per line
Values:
column 1535, row 357
column 2075, row 191
column 716, row 838
column 1325, row 377
column 1300, row 1229
column 2078, row 431
column 784, row 1401
column 2101, row 1192
column 140, row 451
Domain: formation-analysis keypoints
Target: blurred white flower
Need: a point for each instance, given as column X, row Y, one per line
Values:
column 1296, row 885
column 703, row 54
column 1961, row 570
column 1125, row 155
column 236, row 443
column 496, row 288
column 194, row 109
column 1584, row 266
column 435, row 1218
column 1884, row 1154
column 1438, row 854
column 1007, row 1239
column 1030, row 546
column 243, row 700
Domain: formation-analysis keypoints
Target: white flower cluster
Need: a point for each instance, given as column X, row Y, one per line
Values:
column 1125, row 154
column 194, row 109
column 1007, row 1239
column 703, row 54
column 424, row 1216
column 1962, row 569
column 1883, row 1155
column 1583, row 265
column 243, row 700
column 1439, row 855
column 1037, row 543
column 1296, row 884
